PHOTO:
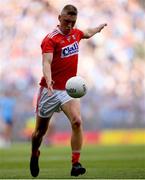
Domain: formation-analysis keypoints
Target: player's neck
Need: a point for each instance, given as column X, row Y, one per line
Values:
column 62, row 31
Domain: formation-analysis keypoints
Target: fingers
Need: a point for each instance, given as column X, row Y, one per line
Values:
column 50, row 88
column 103, row 25
column 50, row 91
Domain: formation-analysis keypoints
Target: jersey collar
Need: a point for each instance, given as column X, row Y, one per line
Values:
column 61, row 31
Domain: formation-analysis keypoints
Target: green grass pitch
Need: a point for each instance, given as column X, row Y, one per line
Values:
column 101, row 162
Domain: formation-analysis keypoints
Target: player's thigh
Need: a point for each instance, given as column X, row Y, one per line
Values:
column 72, row 110
column 41, row 124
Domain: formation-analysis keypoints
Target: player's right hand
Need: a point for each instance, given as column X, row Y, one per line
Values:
column 50, row 88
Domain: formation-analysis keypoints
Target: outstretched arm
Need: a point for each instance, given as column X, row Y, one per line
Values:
column 91, row 32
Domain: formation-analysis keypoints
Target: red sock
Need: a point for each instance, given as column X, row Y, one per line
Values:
column 75, row 157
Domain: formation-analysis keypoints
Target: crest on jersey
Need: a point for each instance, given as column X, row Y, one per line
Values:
column 74, row 36
column 70, row 50
column 69, row 38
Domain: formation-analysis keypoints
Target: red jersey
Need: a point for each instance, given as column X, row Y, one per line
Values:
column 65, row 49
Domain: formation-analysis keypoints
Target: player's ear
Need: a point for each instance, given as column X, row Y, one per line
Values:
column 59, row 17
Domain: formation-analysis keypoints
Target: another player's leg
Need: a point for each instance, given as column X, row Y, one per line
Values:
column 37, row 136
column 8, row 132
column 72, row 111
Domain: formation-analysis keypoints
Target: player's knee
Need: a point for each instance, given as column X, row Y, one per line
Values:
column 76, row 123
column 39, row 133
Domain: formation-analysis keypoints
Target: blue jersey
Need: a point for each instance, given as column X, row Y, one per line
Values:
column 7, row 105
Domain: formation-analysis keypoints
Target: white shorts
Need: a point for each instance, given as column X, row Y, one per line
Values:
column 47, row 105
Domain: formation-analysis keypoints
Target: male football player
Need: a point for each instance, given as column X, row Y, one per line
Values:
column 60, row 50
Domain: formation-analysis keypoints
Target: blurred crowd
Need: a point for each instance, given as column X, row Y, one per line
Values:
column 112, row 62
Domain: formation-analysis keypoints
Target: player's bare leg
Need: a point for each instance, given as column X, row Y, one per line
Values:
column 37, row 136
column 8, row 133
column 72, row 111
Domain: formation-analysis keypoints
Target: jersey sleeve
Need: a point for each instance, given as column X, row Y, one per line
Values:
column 47, row 45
